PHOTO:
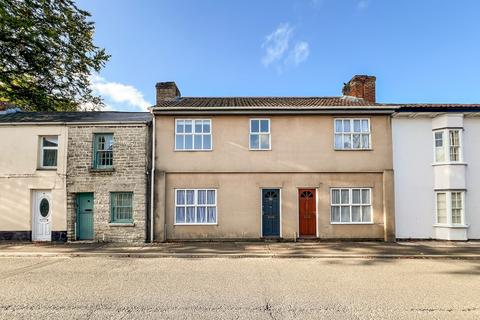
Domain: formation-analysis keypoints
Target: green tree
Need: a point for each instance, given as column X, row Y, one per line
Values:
column 47, row 55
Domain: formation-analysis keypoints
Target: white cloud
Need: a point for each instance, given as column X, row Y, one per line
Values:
column 276, row 44
column 278, row 51
column 300, row 52
column 119, row 96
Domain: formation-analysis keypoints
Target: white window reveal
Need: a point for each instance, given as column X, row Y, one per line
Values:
column 48, row 152
column 195, row 206
column 448, row 145
column 352, row 134
column 193, row 135
column 260, row 138
column 450, row 207
column 351, row 205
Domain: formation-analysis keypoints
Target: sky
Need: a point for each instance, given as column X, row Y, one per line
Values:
column 421, row 51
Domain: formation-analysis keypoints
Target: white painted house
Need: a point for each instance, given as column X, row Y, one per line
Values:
column 436, row 158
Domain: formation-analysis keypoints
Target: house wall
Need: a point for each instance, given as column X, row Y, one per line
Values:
column 130, row 174
column 20, row 175
column 416, row 178
column 472, row 158
column 302, row 155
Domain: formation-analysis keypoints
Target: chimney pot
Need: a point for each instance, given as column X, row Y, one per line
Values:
column 361, row 86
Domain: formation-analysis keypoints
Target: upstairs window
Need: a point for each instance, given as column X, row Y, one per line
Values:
column 48, row 152
column 450, row 207
column 103, row 151
column 260, row 134
column 448, row 145
column 193, row 135
column 352, row 134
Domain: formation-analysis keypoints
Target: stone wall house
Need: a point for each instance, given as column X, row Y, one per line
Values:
column 108, row 185
column 75, row 176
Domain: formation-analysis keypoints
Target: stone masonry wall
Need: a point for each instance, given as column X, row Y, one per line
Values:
column 130, row 174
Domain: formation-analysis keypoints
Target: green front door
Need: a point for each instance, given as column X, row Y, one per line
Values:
column 84, row 216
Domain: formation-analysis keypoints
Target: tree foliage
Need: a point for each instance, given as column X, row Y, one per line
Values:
column 47, row 55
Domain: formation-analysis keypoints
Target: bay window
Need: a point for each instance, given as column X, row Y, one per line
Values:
column 450, row 207
column 448, row 145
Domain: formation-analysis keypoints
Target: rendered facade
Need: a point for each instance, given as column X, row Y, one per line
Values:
column 251, row 168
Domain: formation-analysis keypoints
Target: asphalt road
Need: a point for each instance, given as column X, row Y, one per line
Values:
column 262, row 288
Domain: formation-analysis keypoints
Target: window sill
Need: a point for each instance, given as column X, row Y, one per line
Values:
column 195, row 224
column 452, row 226
column 206, row 150
column 352, row 223
column 121, row 224
column 47, row 169
column 335, row 149
column 101, row 170
column 250, row 149
column 436, row 164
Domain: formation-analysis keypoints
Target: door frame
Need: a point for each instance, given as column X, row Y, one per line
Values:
column 280, row 209
column 77, row 216
column 316, row 209
column 33, row 195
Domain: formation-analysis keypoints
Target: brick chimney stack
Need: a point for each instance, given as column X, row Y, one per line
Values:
column 361, row 86
column 167, row 91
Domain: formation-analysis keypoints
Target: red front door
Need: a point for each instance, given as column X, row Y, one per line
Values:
column 307, row 212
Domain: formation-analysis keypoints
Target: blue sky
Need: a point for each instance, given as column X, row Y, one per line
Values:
column 419, row 50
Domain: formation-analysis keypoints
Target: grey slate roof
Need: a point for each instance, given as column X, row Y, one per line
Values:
column 65, row 117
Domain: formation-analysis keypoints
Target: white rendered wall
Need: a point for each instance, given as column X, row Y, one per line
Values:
column 472, row 158
column 414, row 179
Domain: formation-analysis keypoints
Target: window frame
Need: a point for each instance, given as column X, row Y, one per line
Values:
column 350, row 204
column 42, row 148
column 195, row 205
column 448, row 199
column 112, row 217
column 446, row 146
column 259, row 133
column 193, row 135
column 351, row 133
column 95, row 164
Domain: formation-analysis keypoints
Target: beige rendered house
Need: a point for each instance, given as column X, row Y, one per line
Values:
column 282, row 168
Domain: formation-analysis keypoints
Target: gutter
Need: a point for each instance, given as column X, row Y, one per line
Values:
column 168, row 111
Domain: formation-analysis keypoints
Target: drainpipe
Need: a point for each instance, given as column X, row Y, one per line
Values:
column 152, row 179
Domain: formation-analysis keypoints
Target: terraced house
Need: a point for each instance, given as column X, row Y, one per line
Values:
column 437, row 170
column 292, row 167
column 75, row 176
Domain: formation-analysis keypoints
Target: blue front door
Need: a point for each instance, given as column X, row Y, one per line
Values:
column 85, row 216
column 271, row 213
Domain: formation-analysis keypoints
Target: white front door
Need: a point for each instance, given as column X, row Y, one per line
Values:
column 42, row 216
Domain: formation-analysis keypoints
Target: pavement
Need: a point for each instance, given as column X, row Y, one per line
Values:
column 250, row 288
column 314, row 249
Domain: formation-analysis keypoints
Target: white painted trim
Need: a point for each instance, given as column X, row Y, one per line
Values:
column 42, row 148
column 448, row 199
column 446, row 146
column 351, row 133
column 260, row 133
column 195, row 205
column 193, row 135
column 350, row 204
